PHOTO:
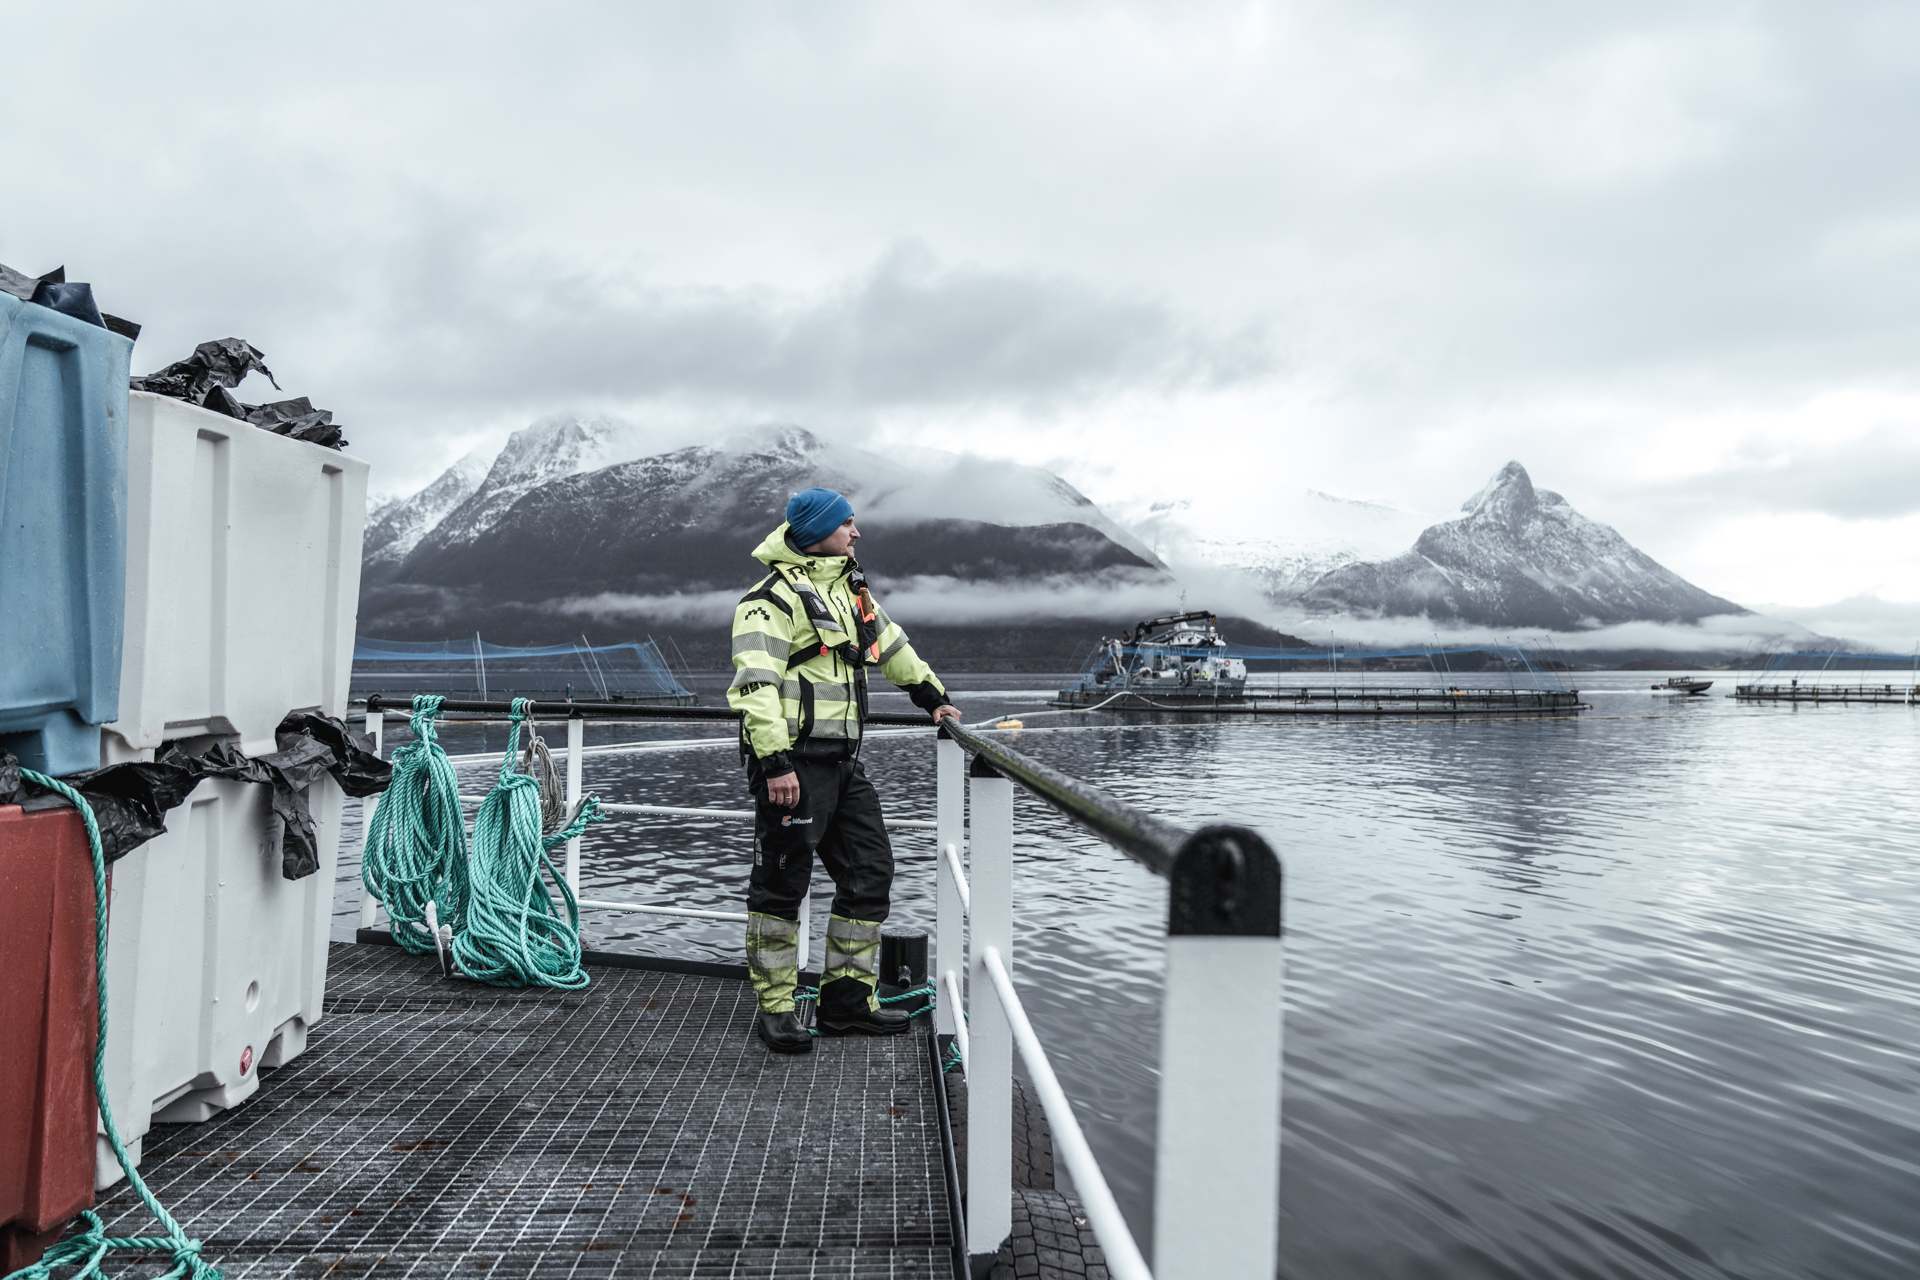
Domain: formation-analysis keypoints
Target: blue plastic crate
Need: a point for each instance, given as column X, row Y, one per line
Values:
column 63, row 534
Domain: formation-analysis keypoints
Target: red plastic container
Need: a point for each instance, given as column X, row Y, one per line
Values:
column 47, row 1028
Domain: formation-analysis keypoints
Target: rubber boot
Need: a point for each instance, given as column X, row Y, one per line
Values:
column 782, row 1032
column 847, row 1008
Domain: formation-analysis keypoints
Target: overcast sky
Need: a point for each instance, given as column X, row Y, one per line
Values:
column 1666, row 255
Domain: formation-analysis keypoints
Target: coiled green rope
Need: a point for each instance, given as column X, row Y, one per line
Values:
column 89, row 1248
column 511, row 934
column 417, row 837
column 804, row 995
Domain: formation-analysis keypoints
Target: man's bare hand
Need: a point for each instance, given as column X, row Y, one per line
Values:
column 943, row 711
column 784, row 790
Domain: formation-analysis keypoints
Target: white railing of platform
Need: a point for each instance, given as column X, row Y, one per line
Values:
column 576, row 753
column 1217, row 1167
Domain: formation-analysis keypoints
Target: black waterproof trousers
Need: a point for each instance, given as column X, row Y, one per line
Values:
column 838, row 817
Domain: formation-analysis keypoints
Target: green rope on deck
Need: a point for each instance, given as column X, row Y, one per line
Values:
column 89, row 1247
column 512, row 935
column 417, row 838
column 803, row 995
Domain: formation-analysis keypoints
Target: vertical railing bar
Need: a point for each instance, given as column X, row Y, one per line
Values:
column 576, row 740
column 376, row 723
column 1216, row 1199
column 950, row 984
column 804, row 942
column 1124, row 1259
column 950, row 902
column 990, row 1067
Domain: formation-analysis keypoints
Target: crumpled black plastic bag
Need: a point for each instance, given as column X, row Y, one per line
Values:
column 74, row 300
column 312, row 744
column 205, row 378
column 130, row 800
column 358, row 770
column 223, row 362
column 299, row 419
column 54, row 293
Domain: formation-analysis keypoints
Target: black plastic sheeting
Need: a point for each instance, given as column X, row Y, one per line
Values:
column 130, row 800
column 206, row 378
column 53, row 292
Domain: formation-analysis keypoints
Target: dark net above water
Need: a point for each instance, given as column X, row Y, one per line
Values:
column 637, row 671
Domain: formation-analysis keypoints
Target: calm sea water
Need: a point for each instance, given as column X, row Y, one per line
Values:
column 1633, row 994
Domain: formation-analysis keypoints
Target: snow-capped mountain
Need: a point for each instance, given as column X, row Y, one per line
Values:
column 395, row 527
column 1517, row 557
column 551, row 449
column 555, row 530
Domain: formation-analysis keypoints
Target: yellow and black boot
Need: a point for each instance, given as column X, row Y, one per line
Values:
column 848, row 1005
column 773, row 962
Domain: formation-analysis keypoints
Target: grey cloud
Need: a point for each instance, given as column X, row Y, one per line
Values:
column 1110, row 597
column 1890, row 626
column 910, row 331
column 1875, row 477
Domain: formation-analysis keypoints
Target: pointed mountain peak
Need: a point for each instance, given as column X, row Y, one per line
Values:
column 562, row 443
column 1508, row 498
column 775, row 439
column 1520, row 557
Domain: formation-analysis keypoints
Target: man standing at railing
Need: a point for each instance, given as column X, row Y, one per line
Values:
column 803, row 639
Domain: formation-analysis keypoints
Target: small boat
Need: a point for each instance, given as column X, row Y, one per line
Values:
column 1689, row 685
column 1178, row 660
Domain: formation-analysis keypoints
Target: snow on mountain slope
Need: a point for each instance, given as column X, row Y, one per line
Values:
column 397, row 525
column 555, row 529
column 551, row 449
column 1518, row 557
column 913, row 488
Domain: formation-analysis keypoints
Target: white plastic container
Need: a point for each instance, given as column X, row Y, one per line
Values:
column 216, row 965
column 243, row 582
column 243, row 578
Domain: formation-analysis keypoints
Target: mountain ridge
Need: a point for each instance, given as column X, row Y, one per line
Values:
column 1518, row 557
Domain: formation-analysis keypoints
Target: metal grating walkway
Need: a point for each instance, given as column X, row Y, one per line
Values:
column 437, row 1128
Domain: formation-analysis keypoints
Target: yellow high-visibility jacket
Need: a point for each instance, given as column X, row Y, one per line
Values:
column 802, row 639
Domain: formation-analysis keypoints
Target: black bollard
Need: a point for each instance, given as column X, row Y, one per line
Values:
column 903, row 966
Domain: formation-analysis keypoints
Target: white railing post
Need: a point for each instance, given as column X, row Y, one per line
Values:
column 1216, row 1203
column 990, row 1037
column 950, row 926
column 805, row 937
column 369, row 905
column 576, row 746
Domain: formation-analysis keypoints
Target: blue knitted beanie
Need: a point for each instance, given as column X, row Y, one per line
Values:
column 812, row 514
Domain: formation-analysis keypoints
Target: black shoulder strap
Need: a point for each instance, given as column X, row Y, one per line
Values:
column 763, row 590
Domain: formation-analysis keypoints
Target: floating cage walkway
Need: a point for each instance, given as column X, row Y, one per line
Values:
column 1334, row 681
column 1832, row 676
column 1328, row 700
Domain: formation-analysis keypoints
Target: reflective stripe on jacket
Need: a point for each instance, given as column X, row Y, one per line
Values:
column 792, row 680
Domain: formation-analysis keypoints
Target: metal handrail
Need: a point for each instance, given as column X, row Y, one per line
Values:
column 729, row 815
column 952, row 854
column 1116, row 1239
column 1217, row 1149
column 551, row 710
column 1154, row 842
